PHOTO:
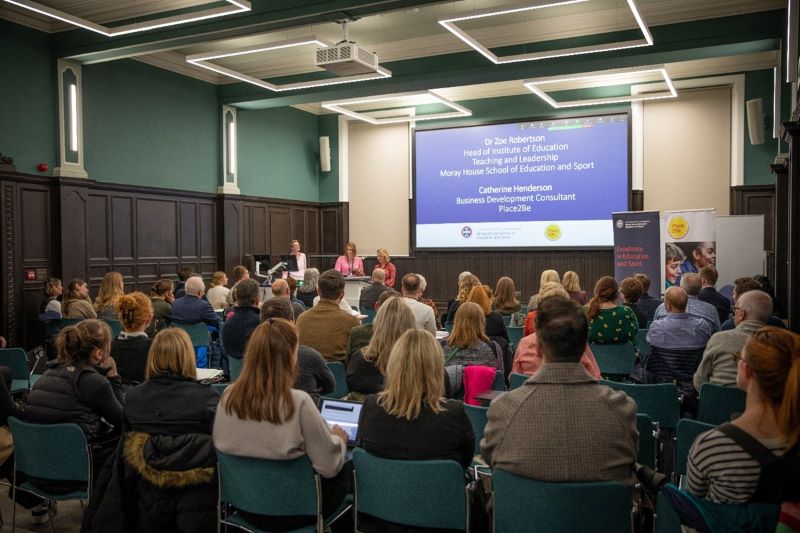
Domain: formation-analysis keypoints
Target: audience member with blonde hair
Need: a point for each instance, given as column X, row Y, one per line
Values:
column 465, row 285
column 549, row 288
column 385, row 264
column 572, row 284
column 308, row 290
column 723, row 463
column 548, row 276
column 167, row 468
column 218, row 293
column 495, row 328
column 367, row 367
column 468, row 344
column 111, row 288
column 76, row 302
column 261, row 416
column 130, row 349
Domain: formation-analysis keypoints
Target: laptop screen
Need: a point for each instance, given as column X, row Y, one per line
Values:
column 343, row 413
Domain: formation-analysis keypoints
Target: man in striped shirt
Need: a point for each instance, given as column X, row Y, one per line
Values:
column 718, row 365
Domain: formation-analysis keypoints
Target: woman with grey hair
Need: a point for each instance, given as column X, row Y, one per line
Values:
column 308, row 291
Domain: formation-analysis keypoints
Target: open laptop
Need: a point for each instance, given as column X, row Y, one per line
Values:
column 343, row 413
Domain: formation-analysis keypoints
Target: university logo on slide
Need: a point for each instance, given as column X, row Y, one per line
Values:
column 620, row 223
column 466, row 232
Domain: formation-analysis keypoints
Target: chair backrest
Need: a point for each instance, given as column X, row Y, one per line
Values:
column 515, row 334
column 516, row 380
column 423, row 494
column 674, row 364
column 614, row 359
column 235, row 365
column 659, row 401
column 477, row 415
column 687, row 432
column 717, row 403
column 198, row 333
column 16, row 360
column 499, row 381
column 370, row 314
column 340, row 375
column 647, row 440
column 54, row 327
column 520, row 502
column 640, row 341
column 51, row 451
column 448, row 326
column 115, row 325
column 269, row 487
column 507, row 320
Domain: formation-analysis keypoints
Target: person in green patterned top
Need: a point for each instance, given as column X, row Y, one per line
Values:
column 609, row 323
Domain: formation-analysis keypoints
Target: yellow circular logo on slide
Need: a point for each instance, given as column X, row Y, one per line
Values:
column 677, row 227
column 552, row 232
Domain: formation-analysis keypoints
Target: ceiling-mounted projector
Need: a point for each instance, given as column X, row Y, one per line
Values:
column 346, row 58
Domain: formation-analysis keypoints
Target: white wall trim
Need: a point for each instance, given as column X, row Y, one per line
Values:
column 344, row 166
column 70, row 169
column 230, row 176
column 735, row 82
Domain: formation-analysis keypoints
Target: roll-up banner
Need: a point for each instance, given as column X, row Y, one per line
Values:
column 690, row 243
column 637, row 246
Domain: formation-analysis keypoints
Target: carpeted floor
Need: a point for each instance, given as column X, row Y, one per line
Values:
column 67, row 518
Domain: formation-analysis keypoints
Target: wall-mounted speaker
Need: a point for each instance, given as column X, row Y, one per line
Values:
column 755, row 120
column 325, row 153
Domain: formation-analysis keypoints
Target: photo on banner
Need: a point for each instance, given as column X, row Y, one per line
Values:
column 637, row 246
column 690, row 243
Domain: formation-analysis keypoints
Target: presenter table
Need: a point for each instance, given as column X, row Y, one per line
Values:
column 352, row 288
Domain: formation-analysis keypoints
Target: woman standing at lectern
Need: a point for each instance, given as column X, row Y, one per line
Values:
column 294, row 249
column 350, row 264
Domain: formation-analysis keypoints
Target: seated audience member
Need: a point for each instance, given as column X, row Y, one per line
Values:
column 461, row 278
column 313, row 374
column 561, row 425
column 718, row 365
column 548, row 276
column 261, row 416
column 631, row 291
column 468, row 344
column 237, row 329
column 280, row 289
column 465, row 285
column 572, row 285
column 410, row 419
column 218, row 293
column 698, row 255
column 529, row 359
column 130, row 349
column 385, row 264
column 547, row 288
column 350, row 264
column 326, row 327
column 361, row 335
column 111, row 288
column 52, row 289
column 422, row 313
column 690, row 282
column 673, row 257
column 161, row 297
column 192, row 309
column 367, row 367
column 647, row 303
column 708, row 292
column 240, row 273
column 293, row 292
column 369, row 295
column 495, row 327
column 726, row 464
column 423, row 284
column 183, row 275
column 76, row 303
column 505, row 297
column 610, row 323
column 82, row 387
column 308, row 291
column 165, row 478
column 294, row 249
column 741, row 286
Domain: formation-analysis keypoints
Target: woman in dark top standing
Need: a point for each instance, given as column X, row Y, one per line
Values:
column 410, row 419
column 130, row 349
column 366, row 367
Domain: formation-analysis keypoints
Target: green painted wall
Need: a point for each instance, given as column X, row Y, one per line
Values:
column 147, row 126
column 28, row 102
column 278, row 153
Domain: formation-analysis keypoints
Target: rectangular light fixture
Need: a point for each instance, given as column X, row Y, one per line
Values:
column 204, row 61
column 449, row 23
column 427, row 97
column 236, row 6
column 232, row 147
column 73, row 118
column 604, row 78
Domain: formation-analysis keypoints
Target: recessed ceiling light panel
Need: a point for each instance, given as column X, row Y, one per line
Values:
column 236, row 6
column 449, row 23
column 412, row 98
column 604, row 79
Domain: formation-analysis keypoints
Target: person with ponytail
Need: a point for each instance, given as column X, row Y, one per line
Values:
column 130, row 349
column 756, row 458
column 82, row 387
column 609, row 322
